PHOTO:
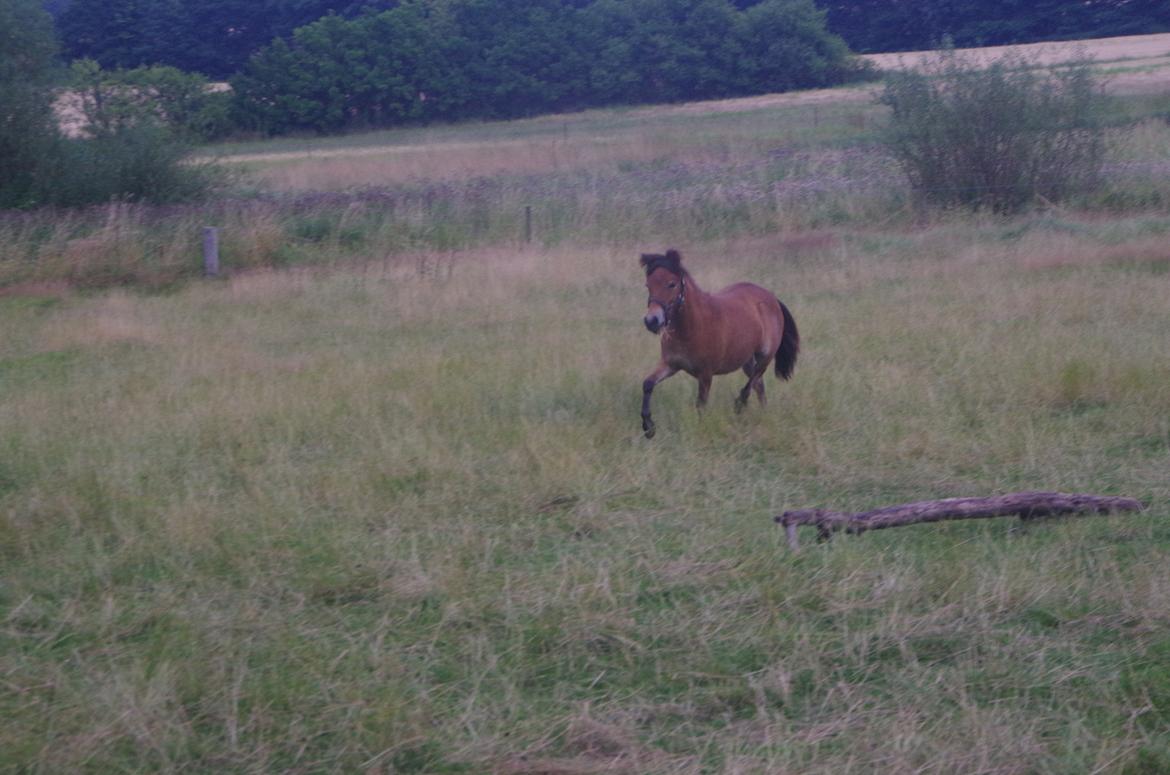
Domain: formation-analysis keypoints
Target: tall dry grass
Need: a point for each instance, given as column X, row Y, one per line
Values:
column 378, row 500
column 400, row 516
column 599, row 178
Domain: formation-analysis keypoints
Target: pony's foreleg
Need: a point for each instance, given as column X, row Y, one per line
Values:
column 661, row 372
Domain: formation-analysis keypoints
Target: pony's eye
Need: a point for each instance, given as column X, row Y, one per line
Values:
column 672, row 285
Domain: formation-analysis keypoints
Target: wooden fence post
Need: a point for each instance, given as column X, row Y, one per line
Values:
column 210, row 251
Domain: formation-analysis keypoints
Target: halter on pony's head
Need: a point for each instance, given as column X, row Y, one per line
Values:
column 671, row 262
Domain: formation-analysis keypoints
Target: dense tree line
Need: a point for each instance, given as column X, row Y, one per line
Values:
column 210, row 37
column 505, row 58
column 906, row 25
column 328, row 65
column 216, row 37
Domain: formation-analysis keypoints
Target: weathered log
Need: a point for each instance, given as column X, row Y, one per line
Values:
column 1028, row 505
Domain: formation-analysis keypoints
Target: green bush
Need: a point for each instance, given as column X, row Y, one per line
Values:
column 184, row 103
column 143, row 163
column 996, row 136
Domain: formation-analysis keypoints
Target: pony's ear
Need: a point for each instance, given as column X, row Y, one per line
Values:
column 674, row 261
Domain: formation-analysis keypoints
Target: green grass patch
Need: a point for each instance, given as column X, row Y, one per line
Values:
column 378, row 499
column 405, row 519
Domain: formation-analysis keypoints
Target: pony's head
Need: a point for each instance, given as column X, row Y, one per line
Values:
column 667, row 287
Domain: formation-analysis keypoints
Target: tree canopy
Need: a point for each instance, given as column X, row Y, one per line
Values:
column 28, row 127
column 905, row 25
column 210, row 37
column 216, row 37
column 328, row 65
column 508, row 58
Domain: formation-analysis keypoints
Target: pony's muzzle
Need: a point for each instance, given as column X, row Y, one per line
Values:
column 654, row 320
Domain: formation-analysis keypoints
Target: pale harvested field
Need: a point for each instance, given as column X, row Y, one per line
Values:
column 1134, row 64
column 1130, row 47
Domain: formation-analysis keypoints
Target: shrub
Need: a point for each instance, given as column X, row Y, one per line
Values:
column 143, row 163
column 999, row 136
column 185, row 103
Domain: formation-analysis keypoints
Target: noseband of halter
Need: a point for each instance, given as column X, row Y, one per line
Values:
column 670, row 308
column 671, row 261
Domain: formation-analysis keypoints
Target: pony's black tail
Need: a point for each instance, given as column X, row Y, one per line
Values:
column 789, row 346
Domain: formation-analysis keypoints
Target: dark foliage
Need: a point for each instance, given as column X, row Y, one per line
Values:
column 216, row 37
column 38, row 166
column 183, row 103
column 27, row 124
column 491, row 59
column 326, row 65
column 142, row 163
column 210, row 37
column 904, row 25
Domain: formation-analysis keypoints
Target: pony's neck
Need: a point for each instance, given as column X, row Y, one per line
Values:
column 691, row 308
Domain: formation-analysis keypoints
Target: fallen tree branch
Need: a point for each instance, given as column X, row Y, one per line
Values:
column 1028, row 505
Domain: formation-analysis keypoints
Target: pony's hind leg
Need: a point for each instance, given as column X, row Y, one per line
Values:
column 764, row 361
column 704, row 390
column 755, row 370
column 742, row 399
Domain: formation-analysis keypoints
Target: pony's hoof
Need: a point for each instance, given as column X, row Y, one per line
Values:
column 648, row 428
column 739, row 405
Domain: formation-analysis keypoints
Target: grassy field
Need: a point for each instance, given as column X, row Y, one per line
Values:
column 379, row 500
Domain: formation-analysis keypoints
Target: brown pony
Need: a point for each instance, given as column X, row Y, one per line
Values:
column 742, row 326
